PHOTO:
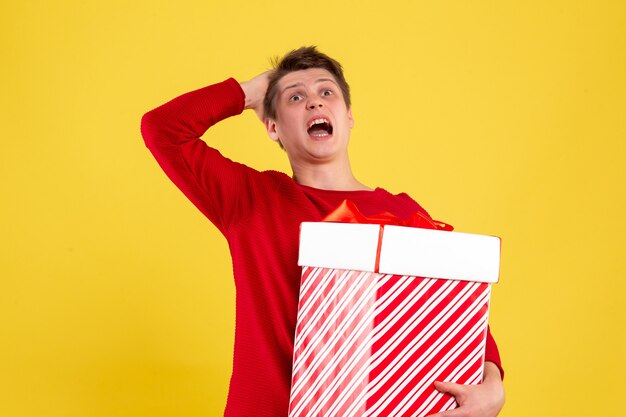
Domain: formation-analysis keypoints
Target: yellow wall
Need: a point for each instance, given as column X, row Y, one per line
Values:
column 116, row 297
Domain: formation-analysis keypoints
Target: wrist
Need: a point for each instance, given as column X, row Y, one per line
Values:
column 248, row 99
column 493, row 379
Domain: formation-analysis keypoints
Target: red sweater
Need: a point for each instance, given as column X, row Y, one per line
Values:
column 259, row 213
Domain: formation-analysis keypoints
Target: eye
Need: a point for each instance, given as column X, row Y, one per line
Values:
column 295, row 97
column 326, row 93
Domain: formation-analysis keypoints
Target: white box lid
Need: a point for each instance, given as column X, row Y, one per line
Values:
column 339, row 245
column 404, row 251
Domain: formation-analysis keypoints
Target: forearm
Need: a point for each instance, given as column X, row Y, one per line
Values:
column 188, row 116
column 491, row 372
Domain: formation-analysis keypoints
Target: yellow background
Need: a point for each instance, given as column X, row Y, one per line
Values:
column 503, row 118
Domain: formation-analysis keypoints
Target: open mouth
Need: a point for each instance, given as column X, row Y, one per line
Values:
column 320, row 127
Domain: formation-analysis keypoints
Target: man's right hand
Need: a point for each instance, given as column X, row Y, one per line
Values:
column 254, row 90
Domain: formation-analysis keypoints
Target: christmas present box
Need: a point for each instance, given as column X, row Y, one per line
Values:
column 385, row 311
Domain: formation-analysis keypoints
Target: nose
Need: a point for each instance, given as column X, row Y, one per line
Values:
column 314, row 103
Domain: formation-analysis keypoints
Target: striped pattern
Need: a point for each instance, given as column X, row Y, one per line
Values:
column 371, row 344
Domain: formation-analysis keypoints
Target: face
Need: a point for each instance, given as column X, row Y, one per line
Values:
column 312, row 120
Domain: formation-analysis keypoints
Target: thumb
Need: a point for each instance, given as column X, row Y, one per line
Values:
column 449, row 388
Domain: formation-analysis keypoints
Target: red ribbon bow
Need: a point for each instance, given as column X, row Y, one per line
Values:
column 347, row 212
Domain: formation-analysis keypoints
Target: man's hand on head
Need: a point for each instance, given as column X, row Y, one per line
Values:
column 255, row 89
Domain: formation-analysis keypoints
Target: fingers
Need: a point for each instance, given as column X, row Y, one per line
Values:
column 450, row 388
column 457, row 412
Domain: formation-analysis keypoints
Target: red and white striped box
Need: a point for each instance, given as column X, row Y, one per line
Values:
column 372, row 343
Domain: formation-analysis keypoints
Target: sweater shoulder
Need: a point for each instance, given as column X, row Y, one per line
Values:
column 405, row 203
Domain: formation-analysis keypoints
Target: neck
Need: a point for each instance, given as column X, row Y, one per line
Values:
column 327, row 176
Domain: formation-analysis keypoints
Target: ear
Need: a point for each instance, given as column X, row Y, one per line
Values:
column 350, row 118
column 272, row 131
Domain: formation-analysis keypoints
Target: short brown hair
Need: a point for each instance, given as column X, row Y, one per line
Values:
column 302, row 59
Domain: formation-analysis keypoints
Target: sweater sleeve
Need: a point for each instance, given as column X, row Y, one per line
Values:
column 217, row 186
column 492, row 354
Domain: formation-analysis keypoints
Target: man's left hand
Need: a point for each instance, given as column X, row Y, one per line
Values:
column 482, row 400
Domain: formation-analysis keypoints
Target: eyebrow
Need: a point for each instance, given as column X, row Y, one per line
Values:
column 319, row 80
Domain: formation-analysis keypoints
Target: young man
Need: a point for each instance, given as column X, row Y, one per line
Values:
column 305, row 106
